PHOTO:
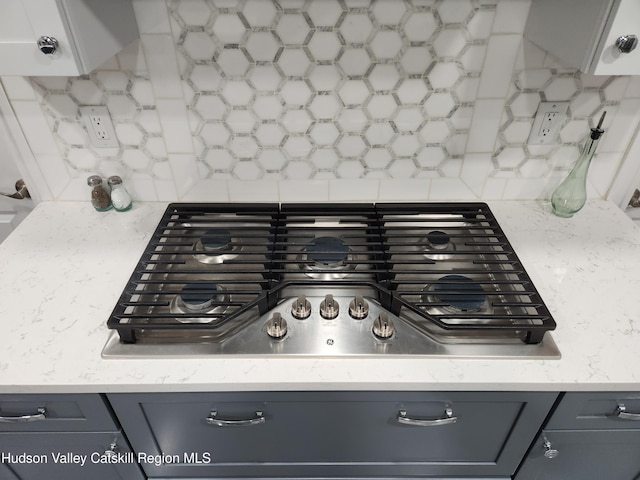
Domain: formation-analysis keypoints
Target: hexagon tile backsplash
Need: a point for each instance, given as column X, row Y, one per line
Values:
column 316, row 100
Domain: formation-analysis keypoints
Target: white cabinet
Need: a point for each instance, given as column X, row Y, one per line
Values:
column 87, row 32
column 585, row 34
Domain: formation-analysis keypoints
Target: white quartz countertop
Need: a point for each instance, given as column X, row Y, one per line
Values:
column 64, row 268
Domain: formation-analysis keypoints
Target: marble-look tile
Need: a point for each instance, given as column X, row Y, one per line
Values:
column 620, row 124
column 345, row 90
column 163, row 68
column 498, row 66
column 484, row 126
column 303, row 191
column 175, row 126
column 253, row 190
column 35, row 127
column 207, row 191
column 18, row 88
column 450, row 189
column 404, row 190
column 511, row 16
column 152, row 16
column 347, row 190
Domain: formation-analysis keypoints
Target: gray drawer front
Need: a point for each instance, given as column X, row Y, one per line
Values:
column 595, row 410
column 585, row 454
column 62, row 413
column 334, row 433
column 43, row 448
column 6, row 473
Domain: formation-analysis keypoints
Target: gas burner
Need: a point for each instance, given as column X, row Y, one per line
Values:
column 437, row 245
column 216, row 246
column 327, row 251
column 326, row 258
column 330, row 279
column 456, row 294
column 199, row 298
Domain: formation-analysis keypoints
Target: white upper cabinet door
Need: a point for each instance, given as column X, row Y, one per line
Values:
column 79, row 34
column 622, row 33
column 590, row 35
column 18, row 40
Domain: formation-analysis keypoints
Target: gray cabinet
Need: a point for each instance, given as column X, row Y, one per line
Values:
column 331, row 434
column 68, row 455
column 62, row 436
column 589, row 435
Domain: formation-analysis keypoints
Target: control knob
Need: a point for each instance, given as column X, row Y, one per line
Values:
column 276, row 326
column 383, row 326
column 358, row 308
column 329, row 308
column 301, row 308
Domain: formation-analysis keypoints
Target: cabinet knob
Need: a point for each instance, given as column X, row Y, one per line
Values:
column 48, row 45
column 549, row 451
column 112, row 451
column 626, row 43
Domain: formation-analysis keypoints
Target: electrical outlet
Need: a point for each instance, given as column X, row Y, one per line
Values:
column 99, row 126
column 546, row 125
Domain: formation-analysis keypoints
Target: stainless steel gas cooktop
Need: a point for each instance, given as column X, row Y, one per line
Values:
column 432, row 279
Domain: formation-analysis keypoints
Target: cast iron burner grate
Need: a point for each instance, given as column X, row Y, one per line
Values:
column 447, row 269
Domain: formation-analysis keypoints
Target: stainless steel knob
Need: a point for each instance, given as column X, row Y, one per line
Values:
column 112, row 451
column 20, row 193
column 48, row 45
column 626, row 43
column 358, row 308
column 549, row 451
column 329, row 308
column 383, row 326
column 276, row 326
column 301, row 308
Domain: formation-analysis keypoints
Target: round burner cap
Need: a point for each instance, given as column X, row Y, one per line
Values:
column 216, row 239
column 198, row 295
column 327, row 250
column 438, row 238
column 470, row 294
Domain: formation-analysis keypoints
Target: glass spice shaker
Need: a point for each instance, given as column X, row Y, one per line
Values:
column 100, row 198
column 119, row 196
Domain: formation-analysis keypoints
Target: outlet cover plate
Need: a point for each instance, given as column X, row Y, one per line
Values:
column 546, row 125
column 99, row 126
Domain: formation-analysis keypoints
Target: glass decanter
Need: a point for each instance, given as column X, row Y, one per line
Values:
column 571, row 194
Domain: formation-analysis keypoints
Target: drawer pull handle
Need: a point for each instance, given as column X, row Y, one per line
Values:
column 624, row 415
column 41, row 415
column 421, row 422
column 248, row 422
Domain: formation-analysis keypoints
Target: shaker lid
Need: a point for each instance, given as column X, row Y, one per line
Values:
column 94, row 180
column 114, row 180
